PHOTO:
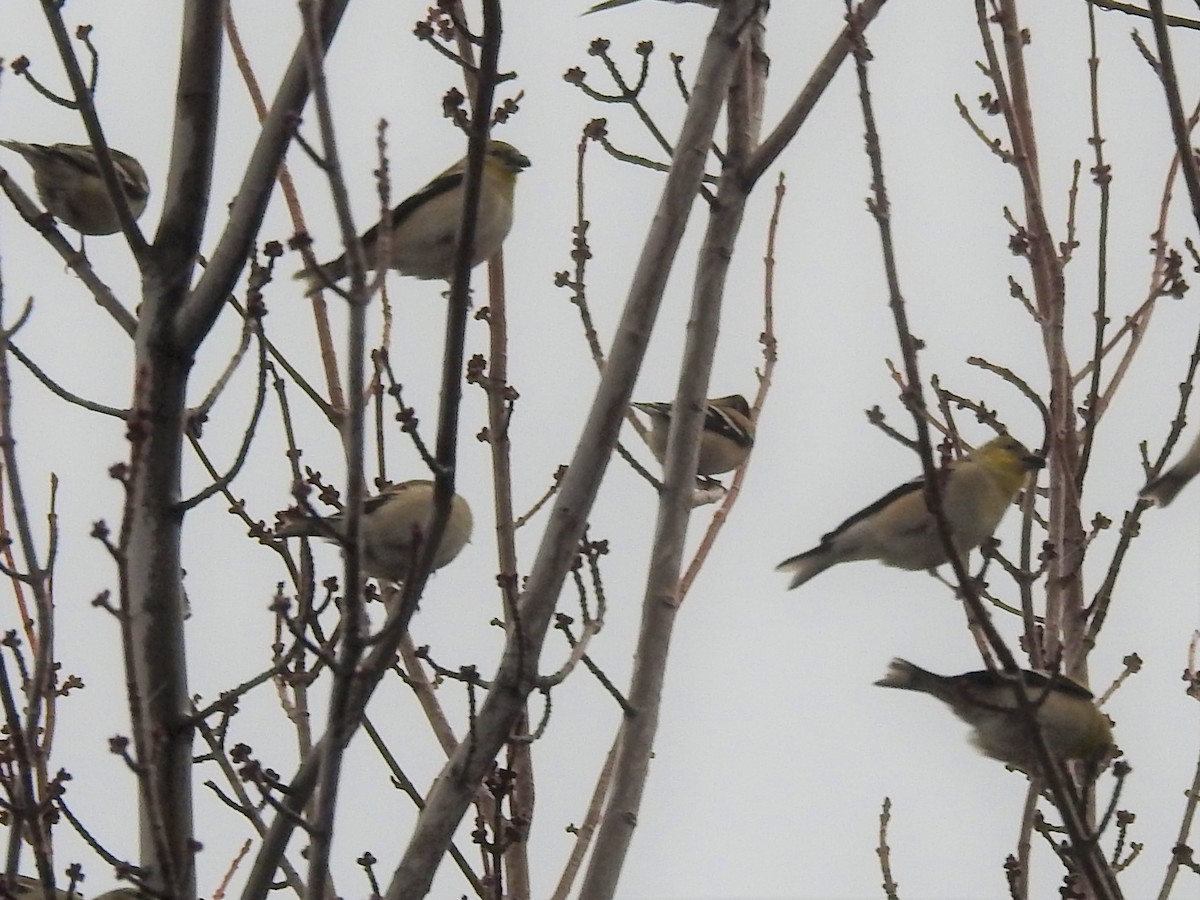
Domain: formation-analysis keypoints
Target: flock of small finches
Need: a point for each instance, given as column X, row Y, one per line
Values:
column 898, row 529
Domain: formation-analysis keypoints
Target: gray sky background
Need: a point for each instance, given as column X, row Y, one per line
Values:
column 775, row 750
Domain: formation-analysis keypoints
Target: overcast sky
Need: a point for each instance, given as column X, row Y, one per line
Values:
column 775, row 750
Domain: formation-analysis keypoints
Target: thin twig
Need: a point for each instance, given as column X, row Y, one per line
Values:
column 890, row 888
column 1130, row 9
column 404, row 783
column 60, row 391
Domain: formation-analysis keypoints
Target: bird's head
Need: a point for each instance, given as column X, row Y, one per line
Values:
column 507, row 156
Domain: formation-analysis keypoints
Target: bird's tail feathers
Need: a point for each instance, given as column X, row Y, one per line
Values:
column 904, row 675
column 1163, row 489
column 314, row 281
column 296, row 524
column 322, row 276
column 607, row 4
column 806, row 565
column 299, row 527
column 652, row 408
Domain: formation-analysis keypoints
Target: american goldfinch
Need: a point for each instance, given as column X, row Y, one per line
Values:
column 613, row 4
column 68, row 180
column 391, row 528
column 424, row 228
column 1162, row 490
column 898, row 529
column 725, row 441
column 1071, row 725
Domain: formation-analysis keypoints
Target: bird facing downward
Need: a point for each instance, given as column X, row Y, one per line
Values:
column 391, row 529
column 1071, row 725
column 424, row 228
column 68, row 180
column 726, row 438
column 899, row 530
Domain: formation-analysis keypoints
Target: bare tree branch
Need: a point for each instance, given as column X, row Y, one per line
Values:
column 453, row 789
column 197, row 313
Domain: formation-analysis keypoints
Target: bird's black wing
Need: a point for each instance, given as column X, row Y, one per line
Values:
column 717, row 421
column 85, row 162
column 371, row 504
column 891, row 496
column 435, row 188
column 1035, row 683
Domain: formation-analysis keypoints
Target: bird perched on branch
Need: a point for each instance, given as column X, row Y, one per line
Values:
column 1163, row 489
column 391, row 529
column 69, row 183
column 899, row 530
column 424, row 228
column 726, row 438
column 1070, row 723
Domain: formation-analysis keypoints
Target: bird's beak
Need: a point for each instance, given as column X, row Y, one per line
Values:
column 1035, row 462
